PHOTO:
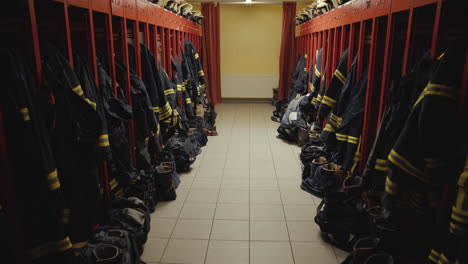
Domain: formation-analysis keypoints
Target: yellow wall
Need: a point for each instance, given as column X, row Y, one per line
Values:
column 250, row 43
column 250, row 39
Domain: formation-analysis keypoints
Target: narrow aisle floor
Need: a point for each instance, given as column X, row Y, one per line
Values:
column 241, row 202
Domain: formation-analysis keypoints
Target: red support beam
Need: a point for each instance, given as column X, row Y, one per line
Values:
column 162, row 34
column 367, row 138
column 435, row 31
column 351, row 45
column 324, row 53
column 409, row 33
column 131, row 134
column 343, row 39
column 136, row 39
column 68, row 34
column 386, row 64
column 92, row 45
column 362, row 32
column 111, row 51
column 168, row 52
column 35, row 41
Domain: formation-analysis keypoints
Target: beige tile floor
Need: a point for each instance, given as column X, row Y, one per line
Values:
column 241, row 202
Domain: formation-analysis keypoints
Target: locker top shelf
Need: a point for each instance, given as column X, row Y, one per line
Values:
column 356, row 11
column 138, row 10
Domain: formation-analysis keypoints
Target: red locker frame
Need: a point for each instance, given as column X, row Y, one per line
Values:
column 108, row 24
column 367, row 28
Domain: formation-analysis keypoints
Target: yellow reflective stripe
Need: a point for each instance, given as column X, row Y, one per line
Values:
column 341, row 137
column 156, row 109
column 197, row 56
column 405, row 165
column 103, row 140
column 435, row 162
column 166, row 111
column 146, row 140
column 431, row 258
column 179, row 87
column 53, row 180
column 188, row 101
column 390, row 183
column 113, row 183
column 91, row 103
column 317, row 72
column 390, row 187
column 78, row 90
column 441, row 55
column 78, row 246
column 305, row 69
column 319, row 98
column 443, row 259
column 49, row 247
column 298, row 95
column 389, row 190
column 169, row 91
column 460, row 211
column 340, row 76
column 352, row 141
column 329, row 101
column 66, row 215
column 329, row 128
column 25, row 113
column 435, row 253
column 312, row 87
column 333, row 123
column 381, row 168
column 119, row 192
column 381, row 164
column 459, row 217
column 438, row 89
column 381, row 161
column 201, row 73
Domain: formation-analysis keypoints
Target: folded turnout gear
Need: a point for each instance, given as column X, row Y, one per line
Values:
column 132, row 215
column 210, row 120
column 164, row 182
column 313, row 150
column 324, row 176
column 143, row 189
column 342, row 216
column 182, row 149
column 122, row 239
column 165, row 158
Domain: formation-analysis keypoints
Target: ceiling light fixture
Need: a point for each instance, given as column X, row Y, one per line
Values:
column 248, row 2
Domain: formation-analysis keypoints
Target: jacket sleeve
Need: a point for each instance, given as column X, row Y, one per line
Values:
column 333, row 91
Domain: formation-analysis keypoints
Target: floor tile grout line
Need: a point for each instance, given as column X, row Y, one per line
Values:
column 249, row 183
column 284, row 211
column 219, row 192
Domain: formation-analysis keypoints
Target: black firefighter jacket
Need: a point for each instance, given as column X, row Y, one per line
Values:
column 421, row 162
column 78, row 138
column 118, row 114
column 299, row 78
column 199, row 95
column 41, row 206
column 146, row 123
column 403, row 94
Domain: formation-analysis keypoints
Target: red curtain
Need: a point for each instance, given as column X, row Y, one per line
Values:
column 211, row 54
column 287, row 54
